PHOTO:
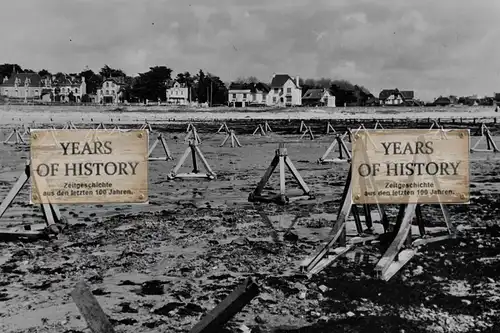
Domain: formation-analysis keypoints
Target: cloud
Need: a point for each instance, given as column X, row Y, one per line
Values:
column 432, row 47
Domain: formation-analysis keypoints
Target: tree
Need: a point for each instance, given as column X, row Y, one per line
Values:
column 44, row 72
column 217, row 90
column 201, row 90
column 92, row 80
column 30, row 71
column 60, row 77
column 107, row 72
column 152, row 85
column 249, row 79
column 6, row 70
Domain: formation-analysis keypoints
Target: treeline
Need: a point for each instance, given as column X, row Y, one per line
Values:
column 150, row 85
column 344, row 91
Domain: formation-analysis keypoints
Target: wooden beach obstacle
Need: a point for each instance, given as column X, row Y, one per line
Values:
column 302, row 127
column 195, row 153
column 339, row 143
column 192, row 134
column 378, row 125
column 147, row 126
column 281, row 158
column 223, row 128
column 54, row 222
column 267, row 128
column 69, row 126
column 234, row 140
column 168, row 156
column 329, row 128
column 15, row 138
column 308, row 131
column 490, row 143
column 101, row 126
column 260, row 130
column 402, row 247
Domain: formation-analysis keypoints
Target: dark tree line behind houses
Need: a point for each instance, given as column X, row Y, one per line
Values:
column 150, row 85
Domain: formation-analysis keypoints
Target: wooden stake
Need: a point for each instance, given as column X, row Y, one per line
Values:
column 195, row 152
column 267, row 128
column 168, row 155
column 147, row 126
column 223, row 128
column 280, row 158
column 378, row 125
column 329, row 128
column 89, row 307
column 260, row 129
column 193, row 135
column 302, row 127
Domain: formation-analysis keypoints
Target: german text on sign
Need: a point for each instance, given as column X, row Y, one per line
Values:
column 89, row 166
column 410, row 166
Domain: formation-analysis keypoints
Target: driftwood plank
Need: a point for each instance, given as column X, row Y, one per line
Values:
column 90, row 309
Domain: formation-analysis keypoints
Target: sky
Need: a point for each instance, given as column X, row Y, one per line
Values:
column 435, row 48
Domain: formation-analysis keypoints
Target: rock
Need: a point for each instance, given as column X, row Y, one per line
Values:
column 244, row 329
column 466, row 302
column 315, row 314
column 418, row 271
column 323, row 288
column 259, row 320
column 266, row 298
column 490, row 280
column 350, row 314
column 165, row 309
column 302, row 295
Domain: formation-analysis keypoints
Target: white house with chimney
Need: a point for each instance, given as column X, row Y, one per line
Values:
column 285, row 91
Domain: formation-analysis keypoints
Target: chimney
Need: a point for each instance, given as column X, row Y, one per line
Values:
column 297, row 80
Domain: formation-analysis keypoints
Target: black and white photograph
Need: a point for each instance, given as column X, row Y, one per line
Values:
column 262, row 166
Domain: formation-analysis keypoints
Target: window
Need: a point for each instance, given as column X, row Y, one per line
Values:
column 274, row 99
column 276, row 90
column 36, row 92
column 112, row 92
column 107, row 84
column 76, row 90
column 288, row 90
column 234, row 96
column 107, row 92
column 244, row 96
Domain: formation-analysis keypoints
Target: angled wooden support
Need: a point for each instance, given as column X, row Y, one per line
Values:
column 267, row 128
column 302, row 127
column 52, row 216
column 338, row 245
column 224, row 311
column 168, row 156
column 307, row 131
column 436, row 125
column 101, row 126
column 15, row 138
column 193, row 135
column 195, row 153
column 147, row 126
column 189, row 127
column 234, row 140
column 280, row 159
column 344, row 153
column 378, row 125
column 260, row 130
column 490, row 143
column 69, row 126
column 329, row 128
column 223, row 128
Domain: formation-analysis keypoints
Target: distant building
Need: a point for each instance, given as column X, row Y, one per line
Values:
column 284, row 91
column 246, row 94
column 397, row 97
column 22, row 85
column 111, row 91
column 318, row 97
column 178, row 94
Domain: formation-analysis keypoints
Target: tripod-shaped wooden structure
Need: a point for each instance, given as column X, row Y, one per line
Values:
column 54, row 222
column 490, row 143
column 168, row 156
column 195, row 153
column 308, row 131
column 15, row 138
column 192, row 135
column 234, row 140
column 344, row 153
column 280, row 158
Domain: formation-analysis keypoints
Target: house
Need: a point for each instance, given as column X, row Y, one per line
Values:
column 318, row 97
column 178, row 94
column 22, row 85
column 284, row 91
column 246, row 94
column 70, row 88
column 442, row 101
column 111, row 91
column 397, row 97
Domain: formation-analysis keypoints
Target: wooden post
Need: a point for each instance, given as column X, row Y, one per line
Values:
column 168, row 155
column 195, row 153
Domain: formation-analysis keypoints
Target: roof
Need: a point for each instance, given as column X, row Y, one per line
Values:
column 280, row 79
column 313, row 94
column 34, row 78
column 252, row 87
column 68, row 81
column 406, row 94
column 116, row 79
